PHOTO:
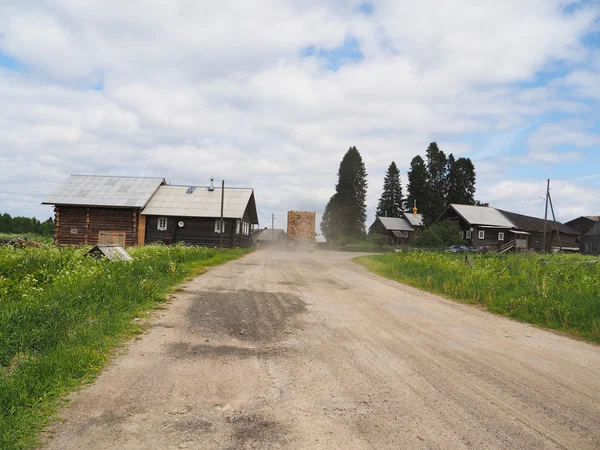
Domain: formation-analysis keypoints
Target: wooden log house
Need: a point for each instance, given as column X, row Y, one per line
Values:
column 192, row 215
column 101, row 210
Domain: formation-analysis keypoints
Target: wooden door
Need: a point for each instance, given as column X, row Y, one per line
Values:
column 111, row 238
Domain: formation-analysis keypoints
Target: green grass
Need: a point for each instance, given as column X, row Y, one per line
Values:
column 563, row 294
column 61, row 315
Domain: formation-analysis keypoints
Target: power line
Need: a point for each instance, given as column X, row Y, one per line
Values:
column 33, row 194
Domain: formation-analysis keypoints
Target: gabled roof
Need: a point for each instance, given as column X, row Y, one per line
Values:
column 416, row 220
column 533, row 224
column 201, row 202
column 96, row 190
column 395, row 223
column 482, row 215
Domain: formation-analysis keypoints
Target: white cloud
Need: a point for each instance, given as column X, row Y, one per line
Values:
column 197, row 89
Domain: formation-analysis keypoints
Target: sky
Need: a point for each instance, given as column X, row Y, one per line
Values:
column 270, row 94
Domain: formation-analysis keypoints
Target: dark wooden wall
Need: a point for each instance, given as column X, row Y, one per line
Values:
column 81, row 225
column 198, row 231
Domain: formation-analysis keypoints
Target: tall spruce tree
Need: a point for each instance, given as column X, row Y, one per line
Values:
column 461, row 181
column 437, row 171
column 346, row 211
column 417, row 184
column 391, row 201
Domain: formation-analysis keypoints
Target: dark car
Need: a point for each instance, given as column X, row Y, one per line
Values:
column 458, row 249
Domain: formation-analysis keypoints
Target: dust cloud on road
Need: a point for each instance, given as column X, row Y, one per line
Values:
column 309, row 351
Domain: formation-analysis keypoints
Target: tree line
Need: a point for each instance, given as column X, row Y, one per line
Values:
column 24, row 225
column 433, row 183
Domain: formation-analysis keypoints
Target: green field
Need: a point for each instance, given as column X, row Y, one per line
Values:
column 561, row 292
column 61, row 314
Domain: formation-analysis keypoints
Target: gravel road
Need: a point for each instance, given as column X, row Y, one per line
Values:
column 308, row 350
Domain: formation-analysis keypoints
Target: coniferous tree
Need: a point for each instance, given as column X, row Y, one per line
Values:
column 437, row 165
column 346, row 211
column 391, row 201
column 461, row 182
column 417, row 184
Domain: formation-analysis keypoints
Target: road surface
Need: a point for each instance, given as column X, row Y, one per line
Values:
column 308, row 350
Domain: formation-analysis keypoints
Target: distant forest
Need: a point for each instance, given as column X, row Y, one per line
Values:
column 24, row 225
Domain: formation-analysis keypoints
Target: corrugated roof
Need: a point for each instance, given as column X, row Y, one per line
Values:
column 482, row 215
column 416, row 220
column 396, row 223
column 94, row 190
column 174, row 201
column 534, row 224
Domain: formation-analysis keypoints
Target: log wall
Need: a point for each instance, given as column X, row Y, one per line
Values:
column 82, row 225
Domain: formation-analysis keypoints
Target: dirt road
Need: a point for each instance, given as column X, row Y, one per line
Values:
column 303, row 351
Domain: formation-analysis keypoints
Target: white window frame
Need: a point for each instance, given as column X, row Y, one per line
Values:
column 481, row 234
column 246, row 228
column 468, row 234
column 238, row 226
column 501, row 236
column 161, row 224
column 218, row 228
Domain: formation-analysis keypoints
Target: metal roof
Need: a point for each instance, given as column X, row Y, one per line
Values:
column 95, row 190
column 416, row 220
column 528, row 223
column 201, row 202
column 482, row 215
column 396, row 223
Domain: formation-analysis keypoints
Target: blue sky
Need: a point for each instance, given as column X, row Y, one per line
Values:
column 275, row 98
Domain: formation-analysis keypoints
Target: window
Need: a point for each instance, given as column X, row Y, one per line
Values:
column 500, row 236
column 237, row 226
column 246, row 228
column 481, row 234
column 218, row 227
column 588, row 247
column 461, row 234
column 468, row 234
column 162, row 224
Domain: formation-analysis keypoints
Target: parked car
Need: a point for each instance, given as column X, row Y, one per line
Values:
column 478, row 249
column 458, row 249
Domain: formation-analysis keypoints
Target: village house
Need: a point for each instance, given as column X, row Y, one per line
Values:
column 192, row 215
column 397, row 230
column 504, row 231
column 127, row 211
column 105, row 210
column 588, row 228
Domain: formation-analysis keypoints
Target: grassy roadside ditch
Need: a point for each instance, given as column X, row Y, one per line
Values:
column 561, row 292
column 61, row 314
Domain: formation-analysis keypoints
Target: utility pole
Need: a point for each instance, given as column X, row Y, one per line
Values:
column 546, row 214
column 555, row 224
column 222, row 227
column 272, row 225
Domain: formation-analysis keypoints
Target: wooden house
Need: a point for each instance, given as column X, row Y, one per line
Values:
column 397, row 230
column 269, row 237
column 558, row 235
column 487, row 227
column 101, row 210
column 192, row 215
column 588, row 228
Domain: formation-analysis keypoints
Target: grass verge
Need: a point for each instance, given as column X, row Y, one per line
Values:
column 61, row 314
column 561, row 292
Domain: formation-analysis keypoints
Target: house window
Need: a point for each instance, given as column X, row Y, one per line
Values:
column 461, row 234
column 237, row 226
column 468, row 234
column 500, row 236
column 481, row 234
column 588, row 247
column 246, row 227
column 219, row 227
column 162, row 224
